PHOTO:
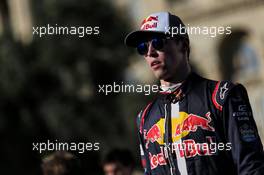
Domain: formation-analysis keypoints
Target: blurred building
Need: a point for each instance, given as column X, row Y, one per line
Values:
column 15, row 18
column 237, row 56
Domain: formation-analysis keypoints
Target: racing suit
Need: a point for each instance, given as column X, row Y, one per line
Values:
column 204, row 127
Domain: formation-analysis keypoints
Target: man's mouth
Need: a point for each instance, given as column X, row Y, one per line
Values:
column 155, row 65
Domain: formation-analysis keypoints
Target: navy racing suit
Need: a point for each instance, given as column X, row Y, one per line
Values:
column 204, row 127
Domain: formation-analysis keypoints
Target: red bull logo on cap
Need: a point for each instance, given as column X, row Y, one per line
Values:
column 181, row 127
column 149, row 23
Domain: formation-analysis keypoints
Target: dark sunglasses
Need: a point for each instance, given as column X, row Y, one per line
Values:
column 157, row 43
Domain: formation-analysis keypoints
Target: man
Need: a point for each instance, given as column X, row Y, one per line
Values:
column 118, row 162
column 61, row 163
column 194, row 126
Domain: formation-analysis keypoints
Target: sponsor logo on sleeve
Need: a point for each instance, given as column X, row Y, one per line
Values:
column 242, row 113
column 248, row 133
column 223, row 91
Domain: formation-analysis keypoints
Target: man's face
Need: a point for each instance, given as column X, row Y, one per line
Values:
column 116, row 168
column 167, row 62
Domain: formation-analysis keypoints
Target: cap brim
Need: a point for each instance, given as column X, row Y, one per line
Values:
column 136, row 37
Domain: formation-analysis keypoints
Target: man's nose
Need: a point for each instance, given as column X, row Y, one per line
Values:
column 152, row 52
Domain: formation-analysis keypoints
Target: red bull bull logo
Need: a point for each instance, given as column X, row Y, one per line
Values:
column 153, row 134
column 181, row 127
column 149, row 22
column 150, row 18
column 192, row 122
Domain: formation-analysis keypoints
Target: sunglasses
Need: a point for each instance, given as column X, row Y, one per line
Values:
column 157, row 43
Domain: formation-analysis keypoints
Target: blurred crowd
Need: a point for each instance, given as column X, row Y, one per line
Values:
column 115, row 162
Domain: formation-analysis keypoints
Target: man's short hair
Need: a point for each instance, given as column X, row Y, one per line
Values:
column 61, row 163
column 122, row 156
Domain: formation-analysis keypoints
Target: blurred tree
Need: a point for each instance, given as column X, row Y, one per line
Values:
column 49, row 88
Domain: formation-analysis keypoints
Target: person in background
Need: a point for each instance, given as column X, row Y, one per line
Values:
column 118, row 162
column 61, row 163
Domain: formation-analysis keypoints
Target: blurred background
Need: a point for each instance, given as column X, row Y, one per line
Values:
column 49, row 85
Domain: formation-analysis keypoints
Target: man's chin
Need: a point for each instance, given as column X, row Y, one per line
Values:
column 161, row 75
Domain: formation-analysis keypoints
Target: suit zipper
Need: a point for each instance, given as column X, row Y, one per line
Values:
column 167, row 141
